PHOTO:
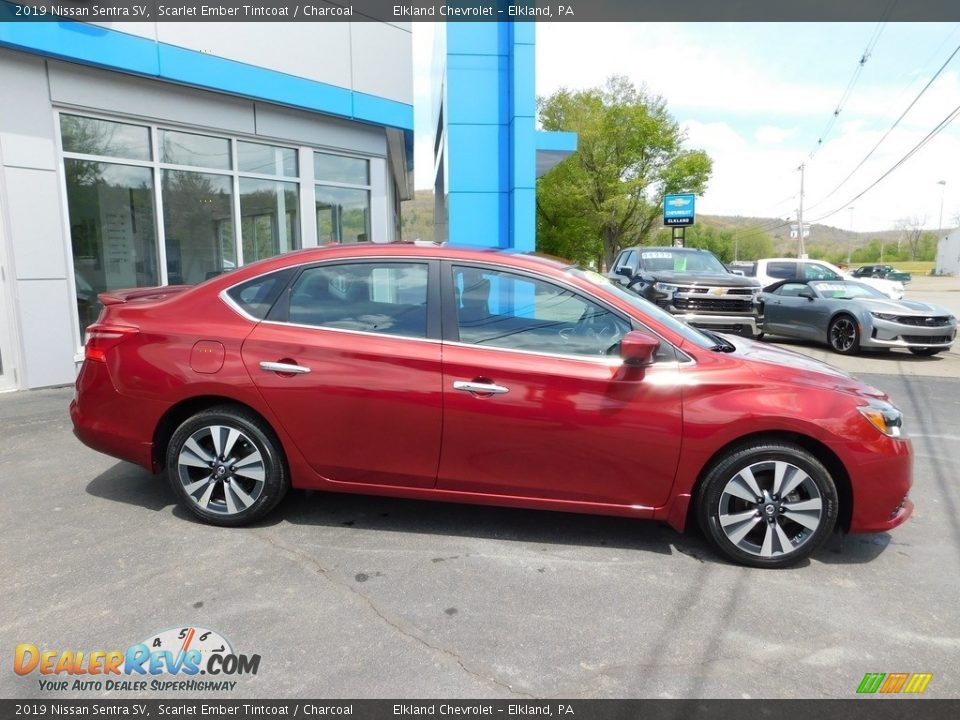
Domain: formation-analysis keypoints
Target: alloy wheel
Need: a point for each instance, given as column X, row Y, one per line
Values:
column 221, row 469
column 770, row 509
column 843, row 334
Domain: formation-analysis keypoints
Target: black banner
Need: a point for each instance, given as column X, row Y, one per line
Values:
column 479, row 10
column 855, row 709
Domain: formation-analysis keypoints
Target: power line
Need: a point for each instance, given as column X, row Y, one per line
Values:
column 890, row 130
column 916, row 148
column 864, row 57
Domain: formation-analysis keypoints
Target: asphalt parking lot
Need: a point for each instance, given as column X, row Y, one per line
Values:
column 346, row 596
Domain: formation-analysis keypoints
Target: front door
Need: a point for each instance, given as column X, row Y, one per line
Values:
column 347, row 363
column 535, row 403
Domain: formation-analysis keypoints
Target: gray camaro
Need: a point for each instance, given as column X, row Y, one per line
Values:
column 850, row 315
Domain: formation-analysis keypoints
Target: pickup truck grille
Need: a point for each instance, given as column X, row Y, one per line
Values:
column 714, row 304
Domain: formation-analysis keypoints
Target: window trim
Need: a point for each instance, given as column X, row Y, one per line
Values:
column 450, row 321
column 279, row 311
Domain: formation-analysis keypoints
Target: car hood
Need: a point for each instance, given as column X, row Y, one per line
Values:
column 713, row 280
column 902, row 307
column 775, row 363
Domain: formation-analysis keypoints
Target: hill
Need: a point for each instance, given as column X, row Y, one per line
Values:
column 417, row 224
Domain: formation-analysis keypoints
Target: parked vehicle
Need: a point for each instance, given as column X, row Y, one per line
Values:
column 850, row 315
column 693, row 285
column 483, row 377
column 888, row 272
column 771, row 270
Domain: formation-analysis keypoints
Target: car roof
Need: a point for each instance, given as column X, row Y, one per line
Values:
column 399, row 250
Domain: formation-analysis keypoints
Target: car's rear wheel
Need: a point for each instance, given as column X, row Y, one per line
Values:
column 843, row 335
column 925, row 352
column 226, row 466
column 767, row 505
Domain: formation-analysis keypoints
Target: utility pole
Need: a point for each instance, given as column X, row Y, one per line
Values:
column 943, row 191
column 801, row 253
column 849, row 242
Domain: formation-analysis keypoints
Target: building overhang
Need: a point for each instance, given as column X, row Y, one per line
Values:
column 553, row 147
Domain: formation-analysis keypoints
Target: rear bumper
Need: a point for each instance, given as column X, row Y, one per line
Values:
column 111, row 423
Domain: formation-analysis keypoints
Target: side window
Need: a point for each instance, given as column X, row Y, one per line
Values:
column 790, row 289
column 782, row 270
column 255, row 297
column 500, row 309
column 813, row 271
column 382, row 297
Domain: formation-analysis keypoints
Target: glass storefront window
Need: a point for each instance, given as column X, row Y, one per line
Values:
column 90, row 136
column 180, row 148
column 340, row 169
column 198, row 225
column 112, row 231
column 267, row 159
column 269, row 218
column 343, row 215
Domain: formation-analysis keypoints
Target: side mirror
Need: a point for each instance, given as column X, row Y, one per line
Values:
column 637, row 348
column 807, row 293
column 625, row 271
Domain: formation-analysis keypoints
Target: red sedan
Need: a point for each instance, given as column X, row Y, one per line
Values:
column 479, row 376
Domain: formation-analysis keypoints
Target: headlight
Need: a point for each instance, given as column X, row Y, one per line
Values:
column 883, row 416
column 665, row 288
column 884, row 316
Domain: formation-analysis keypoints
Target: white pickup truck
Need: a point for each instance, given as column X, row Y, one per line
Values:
column 771, row 270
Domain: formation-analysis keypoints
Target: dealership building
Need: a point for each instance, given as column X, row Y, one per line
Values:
column 141, row 154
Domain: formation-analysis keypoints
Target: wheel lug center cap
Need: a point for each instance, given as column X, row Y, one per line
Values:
column 769, row 508
column 220, row 471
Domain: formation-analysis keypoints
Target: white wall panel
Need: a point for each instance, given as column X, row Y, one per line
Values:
column 47, row 333
column 26, row 123
column 382, row 59
column 314, row 50
column 151, row 99
column 36, row 227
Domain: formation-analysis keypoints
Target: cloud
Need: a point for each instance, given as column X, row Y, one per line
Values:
column 771, row 135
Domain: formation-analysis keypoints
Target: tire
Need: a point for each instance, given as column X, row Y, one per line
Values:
column 843, row 336
column 213, row 488
column 770, row 533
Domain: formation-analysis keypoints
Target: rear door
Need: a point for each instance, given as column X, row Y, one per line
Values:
column 349, row 360
column 534, row 404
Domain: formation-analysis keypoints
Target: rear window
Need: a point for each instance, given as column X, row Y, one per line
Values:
column 256, row 297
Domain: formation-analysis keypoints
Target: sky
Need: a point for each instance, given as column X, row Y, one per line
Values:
column 757, row 97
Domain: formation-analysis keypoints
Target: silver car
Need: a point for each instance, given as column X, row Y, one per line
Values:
column 849, row 315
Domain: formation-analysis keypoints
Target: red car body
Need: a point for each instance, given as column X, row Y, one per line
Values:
column 377, row 414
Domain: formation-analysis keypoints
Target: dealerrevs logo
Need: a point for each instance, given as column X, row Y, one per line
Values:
column 172, row 660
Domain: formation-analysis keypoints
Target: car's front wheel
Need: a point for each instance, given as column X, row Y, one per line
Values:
column 844, row 335
column 767, row 504
column 226, row 466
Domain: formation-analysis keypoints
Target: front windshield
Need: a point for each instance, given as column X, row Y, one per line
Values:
column 680, row 260
column 846, row 290
column 688, row 332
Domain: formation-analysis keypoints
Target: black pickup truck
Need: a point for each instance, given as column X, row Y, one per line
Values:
column 693, row 285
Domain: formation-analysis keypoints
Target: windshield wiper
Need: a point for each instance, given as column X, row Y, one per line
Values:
column 722, row 345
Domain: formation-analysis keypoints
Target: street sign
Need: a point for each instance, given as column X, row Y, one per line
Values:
column 678, row 210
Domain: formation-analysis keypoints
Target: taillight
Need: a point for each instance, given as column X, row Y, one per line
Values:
column 103, row 338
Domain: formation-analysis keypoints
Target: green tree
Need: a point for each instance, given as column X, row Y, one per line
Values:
column 609, row 193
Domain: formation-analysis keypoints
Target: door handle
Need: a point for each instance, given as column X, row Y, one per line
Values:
column 480, row 387
column 280, row 367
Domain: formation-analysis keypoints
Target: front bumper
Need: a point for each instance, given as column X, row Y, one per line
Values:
column 890, row 334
